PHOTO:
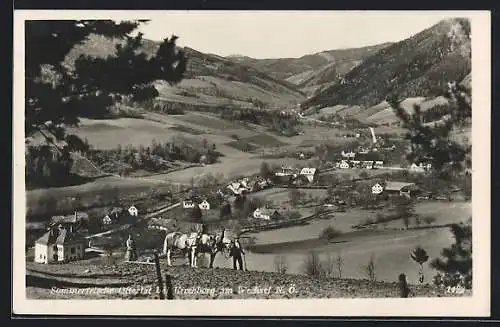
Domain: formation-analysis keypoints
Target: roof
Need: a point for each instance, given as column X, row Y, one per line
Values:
column 65, row 236
column 308, row 171
column 397, row 186
column 56, row 236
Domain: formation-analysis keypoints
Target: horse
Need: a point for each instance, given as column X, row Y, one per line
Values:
column 211, row 244
column 184, row 242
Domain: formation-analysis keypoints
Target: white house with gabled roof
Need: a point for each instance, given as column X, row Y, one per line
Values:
column 309, row 173
column 204, row 205
column 133, row 211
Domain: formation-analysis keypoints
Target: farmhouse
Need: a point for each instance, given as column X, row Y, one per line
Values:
column 309, row 173
column 204, row 205
column 59, row 245
column 377, row 189
column 133, row 211
column 188, row 204
column 286, row 171
column 356, row 164
column 416, row 168
column 367, row 164
column 343, row 164
column 107, row 220
column 349, row 155
column 69, row 219
column 265, row 213
column 401, row 188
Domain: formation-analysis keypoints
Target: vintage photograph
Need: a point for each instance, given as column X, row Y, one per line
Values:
column 248, row 155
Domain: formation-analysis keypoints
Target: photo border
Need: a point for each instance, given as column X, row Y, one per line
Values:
column 476, row 305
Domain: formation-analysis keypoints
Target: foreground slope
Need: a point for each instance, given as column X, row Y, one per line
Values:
column 44, row 282
column 421, row 65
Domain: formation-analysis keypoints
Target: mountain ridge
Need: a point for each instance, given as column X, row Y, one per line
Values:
column 417, row 66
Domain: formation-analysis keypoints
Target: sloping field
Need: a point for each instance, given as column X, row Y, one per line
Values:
column 390, row 247
column 229, row 167
column 109, row 133
column 218, row 283
column 103, row 189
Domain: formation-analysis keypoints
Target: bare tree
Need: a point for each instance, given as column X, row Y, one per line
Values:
column 369, row 270
column 340, row 265
column 280, row 264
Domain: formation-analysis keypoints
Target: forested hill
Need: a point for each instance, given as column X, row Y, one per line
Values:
column 418, row 66
column 209, row 79
column 312, row 71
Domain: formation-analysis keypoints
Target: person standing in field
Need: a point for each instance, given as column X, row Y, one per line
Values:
column 237, row 253
column 131, row 254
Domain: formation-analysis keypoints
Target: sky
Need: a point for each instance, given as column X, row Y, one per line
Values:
column 286, row 34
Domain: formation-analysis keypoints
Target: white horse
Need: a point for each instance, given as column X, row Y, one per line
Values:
column 184, row 242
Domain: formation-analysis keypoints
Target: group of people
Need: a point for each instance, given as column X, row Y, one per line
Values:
column 235, row 251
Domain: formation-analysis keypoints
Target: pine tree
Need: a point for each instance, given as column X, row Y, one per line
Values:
column 455, row 266
column 434, row 143
column 57, row 95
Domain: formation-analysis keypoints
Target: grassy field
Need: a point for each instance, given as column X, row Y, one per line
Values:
column 109, row 133
column 389, row 246
column 101, row 190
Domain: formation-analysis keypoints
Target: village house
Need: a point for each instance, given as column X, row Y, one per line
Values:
column 377, row 189
column 367, row 164
column 68, row 220
column 188, row 204
column 378, row 164
column 355, row 164
column 133, row 211
column 266, row 213
column 309, row 173
column 416, row 168
column 401, row 188
column 59, row 244
column 348, row 155
column 107, row 220
column 237, row 188
column 204, row 205
column 286, row 171
column 343, row 165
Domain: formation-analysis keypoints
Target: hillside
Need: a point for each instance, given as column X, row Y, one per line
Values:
column 313, row 71
column 210, row 80
column 419, row 66
column 42, row 279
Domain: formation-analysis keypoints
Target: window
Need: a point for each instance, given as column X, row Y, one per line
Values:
column 54, row 248
column 40, row 256
column 72, row 250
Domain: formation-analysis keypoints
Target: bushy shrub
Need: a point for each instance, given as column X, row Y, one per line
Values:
column 329, row 233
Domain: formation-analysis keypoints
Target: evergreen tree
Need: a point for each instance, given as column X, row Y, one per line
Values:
column 455, row 266
column 57, row 95
column 434, row 143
